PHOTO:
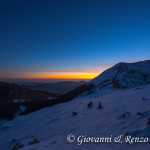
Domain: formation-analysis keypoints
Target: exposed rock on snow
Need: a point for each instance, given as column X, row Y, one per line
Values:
column 34, row 141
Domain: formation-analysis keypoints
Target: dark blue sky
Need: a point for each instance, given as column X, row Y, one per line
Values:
column 53, row 37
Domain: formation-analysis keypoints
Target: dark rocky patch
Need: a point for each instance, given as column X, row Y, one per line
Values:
column 74, row 113
column 100, row 106
column 89, row 104
column 148, row 122
column 13, row 140
column 143, row 98
column 18, row 146
column 138, row 88
column 34, row 141
column 116, row 84
column 124, row 115
column 140, row 114
column 53, row 142
column 127, row 134
column 4, row 127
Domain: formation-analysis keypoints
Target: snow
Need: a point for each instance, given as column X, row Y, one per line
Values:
column 2, row 122
column 22, row 109
column 18, row 101
column 50, row 126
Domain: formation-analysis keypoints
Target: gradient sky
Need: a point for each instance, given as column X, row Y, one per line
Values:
column 68, row 39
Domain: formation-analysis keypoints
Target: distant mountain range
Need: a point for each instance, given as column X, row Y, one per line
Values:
column 30, row 96
column 61, row 87
column 13, row 95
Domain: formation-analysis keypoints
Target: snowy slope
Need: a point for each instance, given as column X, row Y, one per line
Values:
column 50, row 126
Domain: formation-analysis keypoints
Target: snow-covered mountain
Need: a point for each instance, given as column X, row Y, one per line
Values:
column 125, row 112
column 124, row 75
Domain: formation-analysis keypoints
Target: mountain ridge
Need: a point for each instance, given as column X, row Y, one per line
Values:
column 124, row 75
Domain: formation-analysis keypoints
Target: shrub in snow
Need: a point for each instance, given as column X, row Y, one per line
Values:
column 74, row 113
column 148, row 123
column 124, row 115
column 140, row 114
column 143, row 98
column 127, row 133
column 4, row 127
column 89, row 104
column 138, row 88
column 18, row 146
column 53, row 142
column 100, row 106
column 13, row 140
column 34, row 141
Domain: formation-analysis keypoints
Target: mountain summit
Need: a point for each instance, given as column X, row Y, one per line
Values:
column 124, row 75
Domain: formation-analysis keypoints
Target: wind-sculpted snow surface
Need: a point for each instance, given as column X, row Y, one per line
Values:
column 123, row 113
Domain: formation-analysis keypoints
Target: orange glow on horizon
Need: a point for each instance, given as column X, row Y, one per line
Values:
column 56, row 76
column 74, row 76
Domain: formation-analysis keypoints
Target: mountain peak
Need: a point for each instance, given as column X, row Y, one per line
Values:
column 124, row 75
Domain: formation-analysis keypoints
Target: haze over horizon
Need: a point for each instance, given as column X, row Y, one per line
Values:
column 70, row 40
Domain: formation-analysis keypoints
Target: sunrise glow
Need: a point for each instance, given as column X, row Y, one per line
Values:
column 74, row 76
column 56, row 76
